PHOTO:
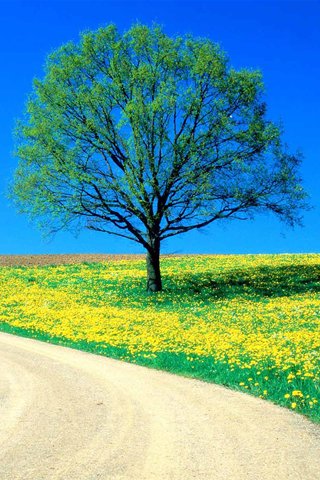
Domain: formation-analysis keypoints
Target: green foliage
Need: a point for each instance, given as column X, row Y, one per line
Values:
column 147, row 136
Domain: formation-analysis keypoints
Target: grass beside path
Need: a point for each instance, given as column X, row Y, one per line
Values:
column 248, row 322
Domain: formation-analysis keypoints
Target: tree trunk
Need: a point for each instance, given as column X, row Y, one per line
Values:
column 153, row 268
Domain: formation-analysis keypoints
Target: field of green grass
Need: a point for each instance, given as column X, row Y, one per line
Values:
column 250, row 322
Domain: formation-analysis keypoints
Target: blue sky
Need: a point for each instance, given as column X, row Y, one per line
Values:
column 281, row 38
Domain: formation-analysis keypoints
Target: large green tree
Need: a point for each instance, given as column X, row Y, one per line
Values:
column 145, row 136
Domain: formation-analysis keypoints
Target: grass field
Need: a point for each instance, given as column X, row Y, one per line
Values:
column 249, row 322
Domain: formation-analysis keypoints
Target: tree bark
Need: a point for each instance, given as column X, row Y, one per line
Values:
column 154, row 283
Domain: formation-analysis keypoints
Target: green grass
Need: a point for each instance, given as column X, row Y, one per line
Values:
column 270, row 299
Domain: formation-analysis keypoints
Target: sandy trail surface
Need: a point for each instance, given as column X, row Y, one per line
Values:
column 70, row 415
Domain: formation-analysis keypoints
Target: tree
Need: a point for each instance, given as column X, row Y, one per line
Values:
column 145, row 136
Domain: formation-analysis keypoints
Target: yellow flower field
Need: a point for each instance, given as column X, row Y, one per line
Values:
column 251, row 322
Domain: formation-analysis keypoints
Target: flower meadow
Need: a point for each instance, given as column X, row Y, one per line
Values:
column 250, row 322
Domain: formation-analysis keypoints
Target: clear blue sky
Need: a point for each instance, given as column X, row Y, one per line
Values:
column 282, row 38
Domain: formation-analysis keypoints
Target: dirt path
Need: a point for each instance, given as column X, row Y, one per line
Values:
column 69, row 415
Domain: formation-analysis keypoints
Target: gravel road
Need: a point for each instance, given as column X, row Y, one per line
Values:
column 70, row 415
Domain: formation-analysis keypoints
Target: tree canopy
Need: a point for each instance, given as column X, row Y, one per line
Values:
column 147, row 136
